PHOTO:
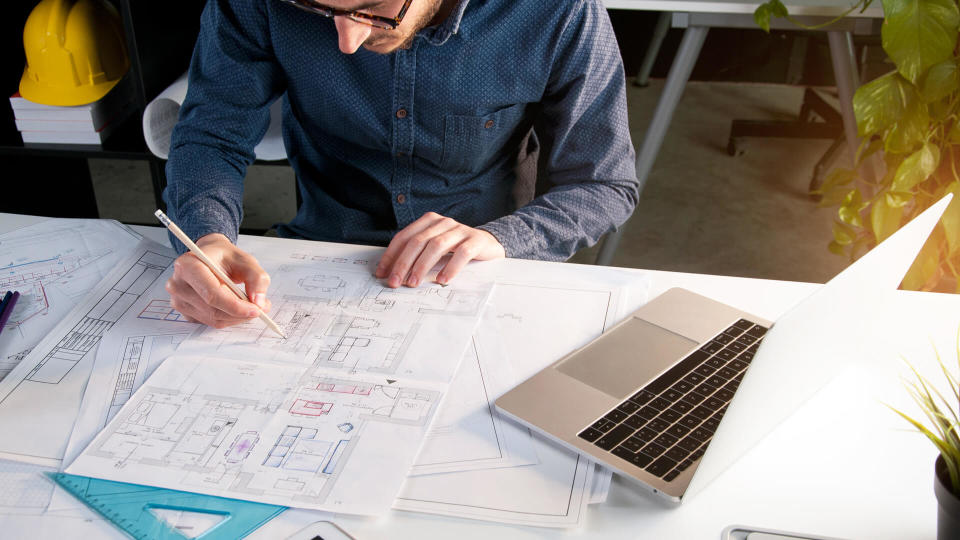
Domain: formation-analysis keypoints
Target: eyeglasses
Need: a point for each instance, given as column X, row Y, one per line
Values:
column 378, row 21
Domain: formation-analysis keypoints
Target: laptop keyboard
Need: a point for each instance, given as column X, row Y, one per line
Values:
column 666, row 426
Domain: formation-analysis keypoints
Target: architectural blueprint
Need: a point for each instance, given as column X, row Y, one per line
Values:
column 48, row 384
column 469, row 434
column 53, row 264
column 555, row 491
column 267, row 432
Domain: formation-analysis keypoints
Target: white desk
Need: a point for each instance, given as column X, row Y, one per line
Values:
column 843, row 465
column 697, row 17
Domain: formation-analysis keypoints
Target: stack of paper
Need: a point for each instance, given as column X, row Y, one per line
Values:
column 88, row 124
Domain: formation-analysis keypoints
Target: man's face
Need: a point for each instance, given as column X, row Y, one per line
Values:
column 353, row 34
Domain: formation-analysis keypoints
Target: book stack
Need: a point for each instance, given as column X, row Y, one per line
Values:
column 88, row 124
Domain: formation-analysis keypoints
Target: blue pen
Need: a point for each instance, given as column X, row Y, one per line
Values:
column 6, row 299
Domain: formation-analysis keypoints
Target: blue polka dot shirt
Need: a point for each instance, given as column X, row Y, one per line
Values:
column 377, row 140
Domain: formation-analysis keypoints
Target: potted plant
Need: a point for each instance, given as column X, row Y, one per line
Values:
column 941, row 412
column 910, row 119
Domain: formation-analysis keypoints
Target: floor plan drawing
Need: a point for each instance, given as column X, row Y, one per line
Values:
column 53, row 264
column 337, row 316
column 48, row 384
column 274, row 433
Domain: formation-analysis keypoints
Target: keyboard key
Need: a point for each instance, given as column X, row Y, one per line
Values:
column 590, row 434
column 633, row 444
column 689, row 421
column 705, row 388
column 623, row 453
column 702, row 434
column 636, row 422
column 645, row 435
column 658, row 424
column 684, row 464
column 723, row 338
column 693, row 378
column 712, row 347
column 726, row 354
column 743, row 324
column 698, row 454
column 615, row 416
column 665, row 440
column 713, row 403
column 661, row 466
column 603, row 425
column 641, row 460
column 733, row 331
column 671, row 475
column 659, row 404
column 614, row 437
column 670, row 415
column 704, row 370
column 717, row 380
column 711, row 423
column 682, row 386
column 727, row 372
column 694, row 398
column 724, row 394
column 677, row 430
column 642, row 397
column 671, row 395
column 757, row 331
column 677, row 454
column 628, row 407
column 681, row 406
column 737, row 346
column 702, row 412
column 648, row 412
column 739, row 365
column 690, row 444
column 747, row 339
column 715, row 362
column 653, row 450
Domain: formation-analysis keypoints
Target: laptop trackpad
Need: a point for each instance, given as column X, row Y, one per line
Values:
column 627, row 357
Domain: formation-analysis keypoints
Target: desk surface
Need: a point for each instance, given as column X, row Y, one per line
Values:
column 843, row 465
column 819, row 8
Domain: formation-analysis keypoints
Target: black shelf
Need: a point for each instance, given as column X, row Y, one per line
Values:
column 160, row 38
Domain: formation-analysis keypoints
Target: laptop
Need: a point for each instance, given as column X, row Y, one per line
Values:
column 674, row 394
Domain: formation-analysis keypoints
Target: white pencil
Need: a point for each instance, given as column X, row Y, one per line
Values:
column 195, row 249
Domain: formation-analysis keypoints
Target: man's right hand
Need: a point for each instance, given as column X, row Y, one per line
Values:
column 201, row 297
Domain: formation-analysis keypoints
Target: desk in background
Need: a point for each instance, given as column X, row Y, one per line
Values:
column 843, row 465
column 697, row 17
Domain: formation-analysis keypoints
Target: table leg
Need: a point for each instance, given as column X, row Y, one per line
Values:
column 653, row 48
column 683, row 63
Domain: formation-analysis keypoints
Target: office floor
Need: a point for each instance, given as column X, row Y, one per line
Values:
column 701, row 211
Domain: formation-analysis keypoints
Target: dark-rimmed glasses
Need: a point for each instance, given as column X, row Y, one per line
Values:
column 378, row 21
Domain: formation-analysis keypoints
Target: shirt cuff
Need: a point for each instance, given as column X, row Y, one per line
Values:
column 517, row 239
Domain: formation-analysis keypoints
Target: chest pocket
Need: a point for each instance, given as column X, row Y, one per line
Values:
column 469, row 142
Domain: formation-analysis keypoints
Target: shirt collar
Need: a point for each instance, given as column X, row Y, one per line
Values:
column 439, row 34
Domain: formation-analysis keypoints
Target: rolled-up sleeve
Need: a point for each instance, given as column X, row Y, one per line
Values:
column 589, row 156
column 233, row 79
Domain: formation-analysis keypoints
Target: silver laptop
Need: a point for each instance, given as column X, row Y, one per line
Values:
column 674, row 394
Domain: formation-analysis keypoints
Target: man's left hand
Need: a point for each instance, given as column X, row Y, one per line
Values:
column 420, row 246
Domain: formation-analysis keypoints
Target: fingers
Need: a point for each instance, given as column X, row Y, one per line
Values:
column 185, row 300
column 244, row 268
column 209, row 288
column 465, row 252
column 398, row 243
column 415, row 245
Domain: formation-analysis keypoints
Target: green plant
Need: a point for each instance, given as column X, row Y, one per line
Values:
column 942, row 413
column 909, row 121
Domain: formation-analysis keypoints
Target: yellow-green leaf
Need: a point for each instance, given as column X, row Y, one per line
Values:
column 843, row 234
column 940, row 81
column 909, row 132
column 833, row 189
column 895, row 199
column 850, row 208
column 879, row 104
column 917, row 34
column 916, row 168
column 884, row 219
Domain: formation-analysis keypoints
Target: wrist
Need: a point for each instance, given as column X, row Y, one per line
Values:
column 212, row 238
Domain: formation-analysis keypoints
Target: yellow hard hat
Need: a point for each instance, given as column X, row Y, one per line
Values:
column 76, row 52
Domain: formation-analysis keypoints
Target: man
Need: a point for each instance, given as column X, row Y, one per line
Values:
column 403, row 120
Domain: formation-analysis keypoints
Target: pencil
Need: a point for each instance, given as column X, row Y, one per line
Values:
column 214, row 268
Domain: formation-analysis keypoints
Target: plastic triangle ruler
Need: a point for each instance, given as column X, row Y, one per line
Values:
column 131, row 508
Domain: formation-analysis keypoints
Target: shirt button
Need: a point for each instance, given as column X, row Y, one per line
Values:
column 489, row 124
column 401, row 198
column 401, row 113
